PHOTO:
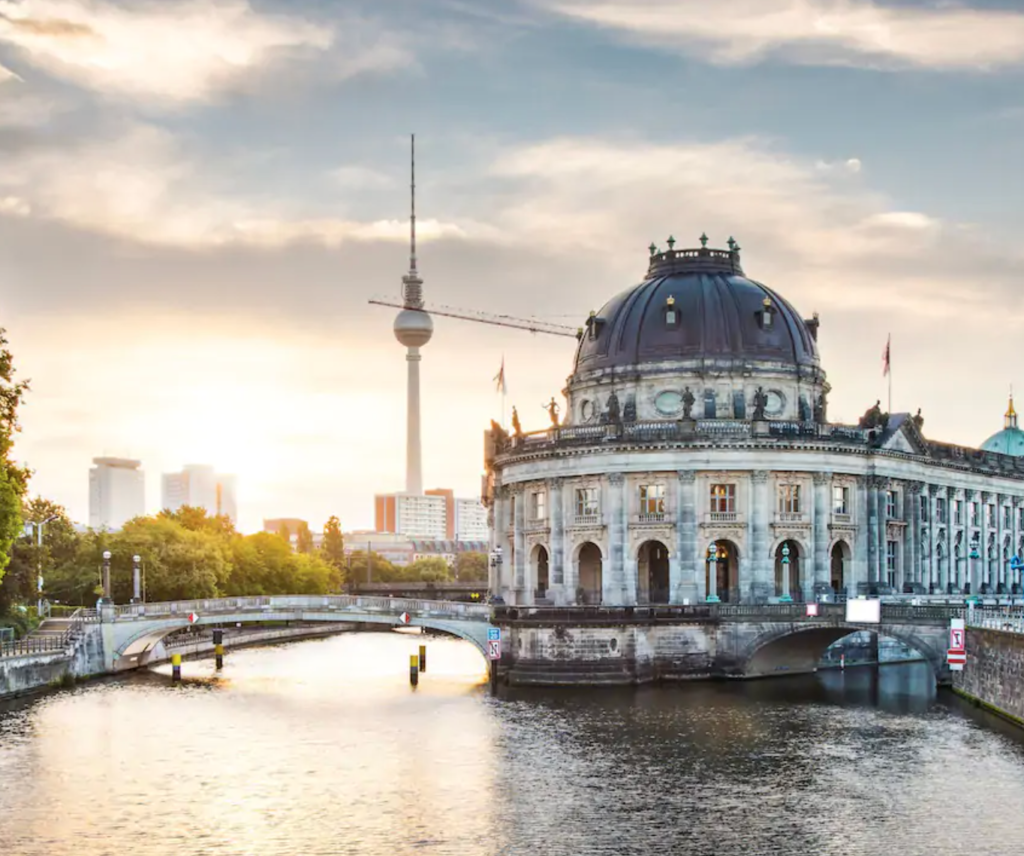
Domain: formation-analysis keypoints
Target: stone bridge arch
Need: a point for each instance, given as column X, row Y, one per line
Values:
column 767, row 650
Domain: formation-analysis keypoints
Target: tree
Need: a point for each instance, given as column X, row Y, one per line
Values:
column 13, row 479
column 197, row 519
column 28, row 558
column 381, row 570
column 433, row 569
column 471, row 567
column 304, row 539
column 333, row 546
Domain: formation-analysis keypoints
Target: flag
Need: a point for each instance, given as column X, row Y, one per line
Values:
column 499, row 378
column 885, row 356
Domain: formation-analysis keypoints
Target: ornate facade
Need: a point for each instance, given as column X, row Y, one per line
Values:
column 696, row 462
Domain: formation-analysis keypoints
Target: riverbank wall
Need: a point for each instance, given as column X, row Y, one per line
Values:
column 993, row 677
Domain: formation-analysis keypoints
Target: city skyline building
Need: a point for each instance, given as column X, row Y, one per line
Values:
column 117, row 492
column 413, row 329
column 200, row 486
column 437, row 515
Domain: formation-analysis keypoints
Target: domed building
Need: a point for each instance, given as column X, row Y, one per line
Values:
column 696, row 463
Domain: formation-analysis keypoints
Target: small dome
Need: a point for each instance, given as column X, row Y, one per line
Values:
column 1009, row 441
column 696, row 304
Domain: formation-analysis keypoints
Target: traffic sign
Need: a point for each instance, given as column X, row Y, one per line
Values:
column 493, row 634
column 812, row 610
column 404, row 618
column 493, row 649
column 956, row 657
column 192, row 618
column 956, row 638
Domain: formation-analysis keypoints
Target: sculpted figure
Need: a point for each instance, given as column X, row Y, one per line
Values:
column 760, row 403
column 552, row 409
column 688, row 401
column 517, row 429
column 614, row 415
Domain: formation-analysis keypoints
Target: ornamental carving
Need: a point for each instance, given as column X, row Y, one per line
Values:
column 934, row 489
column 686, row 476
column 616, row 479
column 914, row 486
column 969, row 493
column 878, row 482
column 759, row 476
column 894, row 531
column 664, row 535
column 822, row 478
column 582, row 536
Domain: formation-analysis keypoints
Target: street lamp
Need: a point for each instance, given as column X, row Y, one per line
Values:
column 786, row 596
column 713, row 573
column 39, row 562
column 1016, row 565
column 496, row 560
column 973, row 554
column 136, row 579
column 106, row 577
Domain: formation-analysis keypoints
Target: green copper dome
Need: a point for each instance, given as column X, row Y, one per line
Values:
column 1009, row 441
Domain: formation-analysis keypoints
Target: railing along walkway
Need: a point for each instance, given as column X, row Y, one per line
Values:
column 1008, row 620
column 47, row 644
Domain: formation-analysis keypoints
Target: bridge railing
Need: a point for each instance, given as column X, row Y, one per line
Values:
column 49, row 643
column 1008, row 620
column 303, row 603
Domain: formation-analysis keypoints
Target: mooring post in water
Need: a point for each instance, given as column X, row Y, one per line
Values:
column 175, row 668
column 414, row 669
column 494, row 676
column 842, row 662
column 218, row 647
column 423, row 658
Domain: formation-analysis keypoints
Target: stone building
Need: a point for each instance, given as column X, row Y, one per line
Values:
column 696, row 462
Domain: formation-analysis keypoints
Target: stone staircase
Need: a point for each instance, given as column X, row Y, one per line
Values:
column 52, row 628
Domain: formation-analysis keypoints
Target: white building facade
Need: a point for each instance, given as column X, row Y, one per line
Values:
column 471, row 520
column 200, row 486
column 117, row 492
column 697, row 463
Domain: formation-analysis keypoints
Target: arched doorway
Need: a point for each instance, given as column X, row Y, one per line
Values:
column 652, row 573
column 840, row 558
column 539, row 561
column 588, row 591
column 721, row 571
column 788, row 567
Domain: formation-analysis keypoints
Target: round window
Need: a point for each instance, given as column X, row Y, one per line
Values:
column 669, row 402
column 587, row 410
column 776, row 401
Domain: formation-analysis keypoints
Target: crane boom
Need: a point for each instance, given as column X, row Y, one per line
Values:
column 532, row 325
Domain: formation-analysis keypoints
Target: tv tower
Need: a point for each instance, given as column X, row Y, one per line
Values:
column 413, row 328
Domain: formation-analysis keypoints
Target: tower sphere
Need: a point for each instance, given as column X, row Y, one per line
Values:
column 413, row 328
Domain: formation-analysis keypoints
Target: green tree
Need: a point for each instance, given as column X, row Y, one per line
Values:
column 381, row 570
column 471, row 567
column 13, row 479
column 304, row 539
column 197, row 519
column 59, row 548
column 433, row 569
column 332, row 548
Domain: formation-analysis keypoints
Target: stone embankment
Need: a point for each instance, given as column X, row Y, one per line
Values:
column 993, row 677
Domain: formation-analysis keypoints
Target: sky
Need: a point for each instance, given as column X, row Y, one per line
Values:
column 199, row 197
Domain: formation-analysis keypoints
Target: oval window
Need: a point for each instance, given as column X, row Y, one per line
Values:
column 587, row 410
column 775, row 403
column 669, row 402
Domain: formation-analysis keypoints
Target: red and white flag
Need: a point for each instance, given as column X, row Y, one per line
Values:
column 885, row 356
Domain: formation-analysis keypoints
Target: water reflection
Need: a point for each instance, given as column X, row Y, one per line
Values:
column 322, row 748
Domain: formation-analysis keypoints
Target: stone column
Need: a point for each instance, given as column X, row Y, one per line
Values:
column 883, row 530
column 911, row 541
column 932, row 536
column 629, row 560
column 614, row 582
column 686, row 538
column 519, row 544
column 984, row 562
column 1000, row 562
column 873, row 527
column 970, row 572
column 556, row 563
column 862, row 537
column 571, row 577
column 498, row 525
column 819, row 530
column 1011, row 576
column 762, row 586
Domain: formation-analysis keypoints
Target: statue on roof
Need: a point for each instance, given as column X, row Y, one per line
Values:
column 614, row 415
column 760, row 403
column 498, row 433
column 874, row 417
column 688, row 401
column 517, row 428
column 552, row 408
column 918, row 420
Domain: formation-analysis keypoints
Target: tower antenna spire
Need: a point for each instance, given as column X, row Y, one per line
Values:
column 412, row 197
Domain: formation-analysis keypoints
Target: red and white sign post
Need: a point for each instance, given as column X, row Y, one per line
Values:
column 956, row 656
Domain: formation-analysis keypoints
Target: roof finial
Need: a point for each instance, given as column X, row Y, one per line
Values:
column 703, row 240
column 671, row 242
column 732, row 244
column 1011, row 413
column 653, row 248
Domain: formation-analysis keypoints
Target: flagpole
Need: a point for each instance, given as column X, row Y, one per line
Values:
column 888, row 349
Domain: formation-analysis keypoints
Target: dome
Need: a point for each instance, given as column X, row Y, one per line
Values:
column 693, row 305
column 413, row 328
column 1009, row 441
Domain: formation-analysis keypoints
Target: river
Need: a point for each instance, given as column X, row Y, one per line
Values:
column 321, row 747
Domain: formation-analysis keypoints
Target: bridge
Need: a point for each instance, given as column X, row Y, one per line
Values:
column 540, row 645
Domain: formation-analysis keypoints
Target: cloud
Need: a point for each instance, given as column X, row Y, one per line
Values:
column 179, row 52
column 813, row 32
column 7, row 75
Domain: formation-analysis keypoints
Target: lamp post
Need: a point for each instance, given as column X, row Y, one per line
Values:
column 786, row 596
column 39, row 562
column 713, row 573
column 1016, row 565
column 136, row 579
column 106, row 577
column 973, row 554
column 496, row 560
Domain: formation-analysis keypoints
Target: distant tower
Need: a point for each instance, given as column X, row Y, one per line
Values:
column 413, row 328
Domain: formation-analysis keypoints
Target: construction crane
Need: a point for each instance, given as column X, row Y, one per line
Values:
column 533, row 325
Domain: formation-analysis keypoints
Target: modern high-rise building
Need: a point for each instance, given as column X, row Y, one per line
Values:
column 436, row 514
column 117, row 492
column 200, row 486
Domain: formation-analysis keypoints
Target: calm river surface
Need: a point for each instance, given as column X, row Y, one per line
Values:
column 321, row 747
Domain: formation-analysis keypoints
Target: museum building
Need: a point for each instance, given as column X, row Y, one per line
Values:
column 696, row 463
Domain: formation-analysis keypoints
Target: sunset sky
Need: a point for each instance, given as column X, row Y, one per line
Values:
column 198, row 197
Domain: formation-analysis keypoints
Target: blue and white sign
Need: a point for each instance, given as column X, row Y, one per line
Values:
column 493, row 634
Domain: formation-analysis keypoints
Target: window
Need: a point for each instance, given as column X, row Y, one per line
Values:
column 958, row 512
column 974, row 513
column 767, row 314
column 990, row 516
column 840, row 500
column 890, row 504
column 652, row 499
column 710, row 404
column 1020, row 518
column 924, row 509
column 671, row 315
column 586, row 501
column 723, row 499
column 1007, row 517
column 940, row 509
column 890, row 562
column 537, row 502
column 789, row 498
